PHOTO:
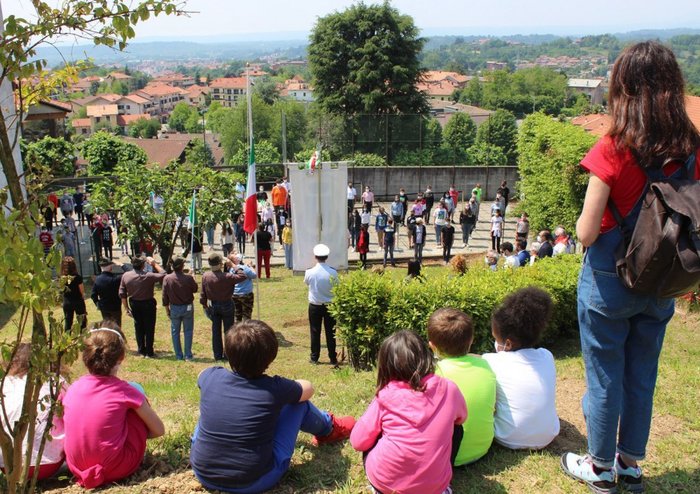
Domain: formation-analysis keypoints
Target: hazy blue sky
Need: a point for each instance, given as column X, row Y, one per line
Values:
column 232, row 18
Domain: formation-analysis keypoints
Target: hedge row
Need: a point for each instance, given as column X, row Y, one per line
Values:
column 369, row 307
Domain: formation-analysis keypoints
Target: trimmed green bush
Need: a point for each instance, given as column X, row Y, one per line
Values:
column 368, row 307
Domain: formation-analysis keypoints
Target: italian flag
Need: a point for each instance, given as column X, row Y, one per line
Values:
column 250, row 223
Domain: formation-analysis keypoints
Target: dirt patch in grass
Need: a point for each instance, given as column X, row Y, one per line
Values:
column 296, row 323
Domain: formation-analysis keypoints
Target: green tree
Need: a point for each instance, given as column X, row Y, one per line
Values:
column 56, row 154
column 266, row 153
column 193, row 124
column 146, row 128
column 27, row 275
column 500, row 130
column 460, row 131
column 179, row 116
column 266, row 88
column 473, row 94
column 365, row 60
column 199, row 153
column 234, row 125
column 552, row 182
column 296, row 126
column 104, row 152
column 484, row 154
column 130, row 191
column 432, row 133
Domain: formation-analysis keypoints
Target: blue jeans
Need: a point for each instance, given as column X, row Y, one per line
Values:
column 621, row 338
column 389, row 250
column 418, row 252
column 221, row 321
column 288, row 256
column 302, row 416
column 438, row 233
column 181, row 317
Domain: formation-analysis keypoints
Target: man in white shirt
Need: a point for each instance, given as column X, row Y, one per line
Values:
column 320, row 280
column 352, row 195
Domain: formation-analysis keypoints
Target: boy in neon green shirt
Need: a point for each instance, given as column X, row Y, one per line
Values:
column 450, row 335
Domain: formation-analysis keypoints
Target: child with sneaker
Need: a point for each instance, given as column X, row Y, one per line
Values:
column 249, row 421
column 406, row 433
column 450, row 335
column 526, row 414
column 107, row 420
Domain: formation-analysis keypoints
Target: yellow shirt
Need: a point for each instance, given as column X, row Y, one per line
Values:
column 287, row 235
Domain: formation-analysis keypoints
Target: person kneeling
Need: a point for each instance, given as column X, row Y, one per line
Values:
column 249, row 421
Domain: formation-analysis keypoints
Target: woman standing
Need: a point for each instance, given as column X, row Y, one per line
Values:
column 287, row 244
column 264, row 242
column 73, row 294
column 227, row 238
column 363, row 245
column 622, row 332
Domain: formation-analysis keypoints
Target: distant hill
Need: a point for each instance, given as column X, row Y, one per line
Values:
column 230, row 49
column 176, row 50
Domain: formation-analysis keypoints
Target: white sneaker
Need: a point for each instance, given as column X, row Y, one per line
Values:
column 581, row 468
column 631, row 478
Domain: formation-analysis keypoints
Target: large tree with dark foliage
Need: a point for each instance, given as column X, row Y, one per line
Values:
column 365, row 60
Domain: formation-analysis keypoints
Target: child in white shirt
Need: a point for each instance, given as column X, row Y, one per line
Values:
column 526, row 415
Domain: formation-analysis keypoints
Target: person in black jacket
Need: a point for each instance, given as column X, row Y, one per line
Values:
column 105, row 292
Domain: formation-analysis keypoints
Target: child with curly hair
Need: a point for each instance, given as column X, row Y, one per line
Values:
column 526, row 415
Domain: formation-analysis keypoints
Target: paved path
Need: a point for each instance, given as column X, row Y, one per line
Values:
column 479, row 242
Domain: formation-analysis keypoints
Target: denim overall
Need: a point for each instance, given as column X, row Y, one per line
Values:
column 621, row 337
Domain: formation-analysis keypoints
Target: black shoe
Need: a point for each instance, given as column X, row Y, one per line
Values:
column 313, row 362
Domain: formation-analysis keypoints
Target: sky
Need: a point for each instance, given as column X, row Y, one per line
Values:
column 293, row 19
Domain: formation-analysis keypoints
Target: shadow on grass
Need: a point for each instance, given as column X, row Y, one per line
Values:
column 6, row 313
column 564, row 345
column 674, row 481
column 321, row 469
column 282, row 341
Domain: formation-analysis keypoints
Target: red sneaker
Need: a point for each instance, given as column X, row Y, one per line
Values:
column 342, row 426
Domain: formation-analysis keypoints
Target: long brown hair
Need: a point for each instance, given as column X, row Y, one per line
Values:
column 68, row 267
column 647, row 106
column 404, row 356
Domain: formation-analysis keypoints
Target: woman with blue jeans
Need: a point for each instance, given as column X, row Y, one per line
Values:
column 621, row 331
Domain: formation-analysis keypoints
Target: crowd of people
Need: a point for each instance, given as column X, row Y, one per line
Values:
column 435, row 404
column 411, row 435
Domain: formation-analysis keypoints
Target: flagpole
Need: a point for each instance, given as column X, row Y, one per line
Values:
column 249, row 100
column 193, row 216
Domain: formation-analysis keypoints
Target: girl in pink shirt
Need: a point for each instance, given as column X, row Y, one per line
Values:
column 107, row 420
column 406, row 433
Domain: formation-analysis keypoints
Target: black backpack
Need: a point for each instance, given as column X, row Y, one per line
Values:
column 661, row 256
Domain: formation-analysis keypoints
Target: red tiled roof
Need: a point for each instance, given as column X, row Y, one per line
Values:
column 229, row 83
column 598, row 124
column 161, row 90
column 126, row 120
column 692, row 106
column 160, row 151
column 80, row 122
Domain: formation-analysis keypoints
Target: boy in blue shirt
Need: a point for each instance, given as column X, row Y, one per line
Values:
column 249, row 421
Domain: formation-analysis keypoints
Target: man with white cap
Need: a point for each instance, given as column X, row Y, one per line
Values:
column 320, row 280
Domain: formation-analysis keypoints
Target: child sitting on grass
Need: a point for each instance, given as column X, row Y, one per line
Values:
column 450, row 335
column 249, row 421
column 526, row 414
column 12, row 398
column 107, row 420
column 406, row 434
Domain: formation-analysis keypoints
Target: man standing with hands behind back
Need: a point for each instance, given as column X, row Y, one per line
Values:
column 136, row 292
column 320, row 280
column 178, row 297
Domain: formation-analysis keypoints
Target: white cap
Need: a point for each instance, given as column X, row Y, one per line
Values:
column 321, row 250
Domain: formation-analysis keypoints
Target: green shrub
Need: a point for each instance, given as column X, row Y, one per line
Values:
column 368, row 308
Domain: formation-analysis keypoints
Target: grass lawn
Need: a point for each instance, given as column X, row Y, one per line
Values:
column 673, row 463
